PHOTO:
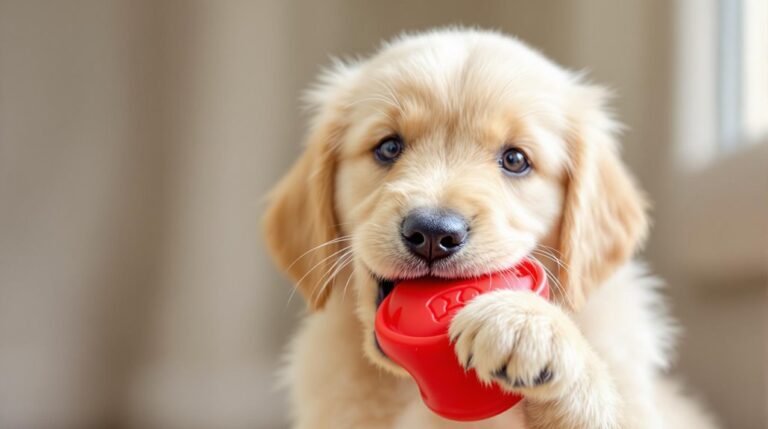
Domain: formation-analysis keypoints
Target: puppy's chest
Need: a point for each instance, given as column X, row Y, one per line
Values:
column 416, row 415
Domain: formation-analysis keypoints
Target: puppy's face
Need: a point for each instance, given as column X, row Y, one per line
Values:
column 449, row 173
column 453, row 155
column 446, row 182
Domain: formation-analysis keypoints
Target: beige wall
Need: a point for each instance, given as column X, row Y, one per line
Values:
column 137, row 140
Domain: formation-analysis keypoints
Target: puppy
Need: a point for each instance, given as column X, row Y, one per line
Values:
column 456, row 153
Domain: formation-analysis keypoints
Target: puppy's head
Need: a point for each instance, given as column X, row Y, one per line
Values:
column 453, row 154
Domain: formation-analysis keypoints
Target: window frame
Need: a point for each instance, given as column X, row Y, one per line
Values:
column 720, row 174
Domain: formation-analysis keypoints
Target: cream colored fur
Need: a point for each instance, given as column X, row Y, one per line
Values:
column 458, row 98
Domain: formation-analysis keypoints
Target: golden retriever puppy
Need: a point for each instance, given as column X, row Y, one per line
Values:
column 455, row 153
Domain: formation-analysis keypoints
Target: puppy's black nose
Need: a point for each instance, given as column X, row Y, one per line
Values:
column 432, row 234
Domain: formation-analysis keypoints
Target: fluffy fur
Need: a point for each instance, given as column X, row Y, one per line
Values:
column 458, row 98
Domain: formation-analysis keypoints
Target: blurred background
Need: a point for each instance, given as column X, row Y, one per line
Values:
column 138, row 139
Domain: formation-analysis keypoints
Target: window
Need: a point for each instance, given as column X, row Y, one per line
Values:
column 718, row 200
column 742, row 94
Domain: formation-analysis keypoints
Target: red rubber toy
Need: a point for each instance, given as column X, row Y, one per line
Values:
column 412, row 330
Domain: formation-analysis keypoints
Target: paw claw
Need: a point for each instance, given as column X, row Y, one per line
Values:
column 501, row 374
column 468, row 363
column 545, row 376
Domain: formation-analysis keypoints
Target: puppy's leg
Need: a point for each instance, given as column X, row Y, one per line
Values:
column 530, row 346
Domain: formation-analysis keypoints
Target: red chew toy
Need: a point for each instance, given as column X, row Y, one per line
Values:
column 412, row 330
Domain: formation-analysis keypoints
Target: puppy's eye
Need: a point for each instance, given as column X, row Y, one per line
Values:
column 389, row 149
column 514, row 162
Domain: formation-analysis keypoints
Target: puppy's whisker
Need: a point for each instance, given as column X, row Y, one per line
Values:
column 318, row 247
column 561, row 288
column 548, row 255
column 555, row 282
column 342, row 224
column 340, row 265
column 318, row 292
column 346, row 285
column 290, row 296
column 322, row 261
column 552, row 254
column 552, row 278
column 560, row 263
column 333, row 266
column 334, row 254
column 549, row 248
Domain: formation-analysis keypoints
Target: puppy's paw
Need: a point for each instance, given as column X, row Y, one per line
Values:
column 520, row 341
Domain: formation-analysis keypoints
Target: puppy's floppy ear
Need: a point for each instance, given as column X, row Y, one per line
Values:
column 604, row 216
column 300, row 223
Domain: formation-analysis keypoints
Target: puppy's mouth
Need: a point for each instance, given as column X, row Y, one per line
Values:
column 385, row 286
column 445, row 271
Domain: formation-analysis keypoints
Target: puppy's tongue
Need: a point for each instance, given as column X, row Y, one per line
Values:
column 424, row 307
